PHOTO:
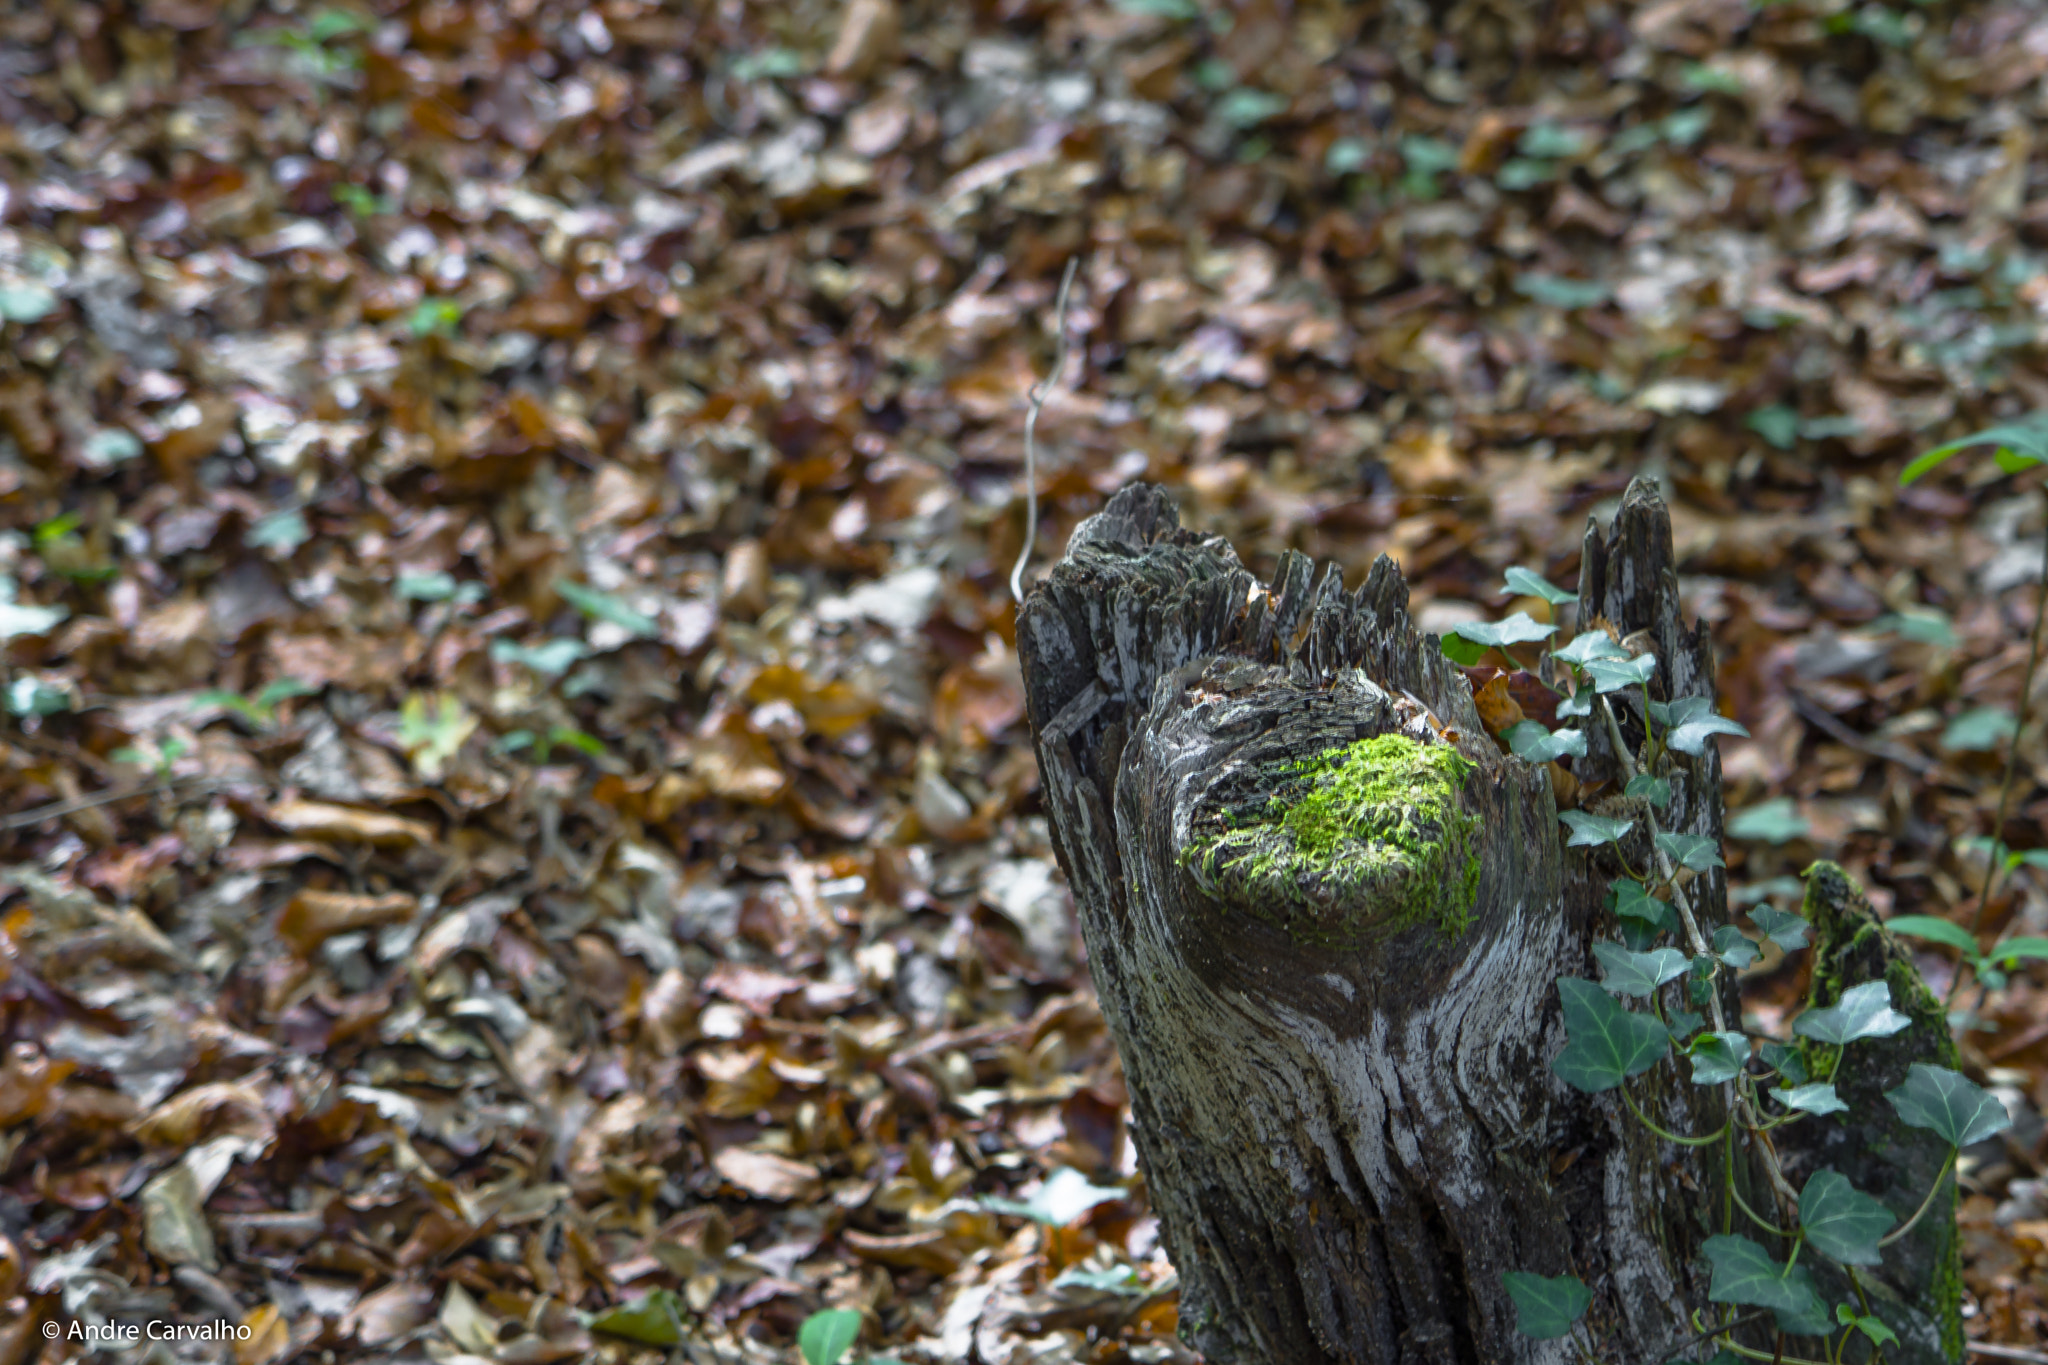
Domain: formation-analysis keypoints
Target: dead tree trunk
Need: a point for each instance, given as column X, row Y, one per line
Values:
column 1338, row 1046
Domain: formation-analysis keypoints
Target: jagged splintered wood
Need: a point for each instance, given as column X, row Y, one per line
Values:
column 1326, row 916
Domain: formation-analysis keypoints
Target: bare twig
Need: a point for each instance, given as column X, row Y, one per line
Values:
column 2012, row 764
column 1988, row 1348
column 1751, row 1119
column 57, row 810
column 1039, row 393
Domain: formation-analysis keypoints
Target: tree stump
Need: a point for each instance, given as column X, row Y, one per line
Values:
column 1326, row 915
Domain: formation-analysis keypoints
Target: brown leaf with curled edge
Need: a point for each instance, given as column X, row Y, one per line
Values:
column 220, row 1107
column 269, row 1336
column 325, row 821
column 313, row 917
column 767, row 1176
column 929, row 1249
column 1498, row 710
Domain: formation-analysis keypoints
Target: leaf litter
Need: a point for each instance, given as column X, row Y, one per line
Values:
column 523, row 495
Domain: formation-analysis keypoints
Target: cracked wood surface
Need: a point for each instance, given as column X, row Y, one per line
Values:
column 1348, row 1146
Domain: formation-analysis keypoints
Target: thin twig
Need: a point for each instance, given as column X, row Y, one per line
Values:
column 1039, row 393
column 2012, row 761
column 57, row 810
column 1988, row 1348
column 1751, row 1119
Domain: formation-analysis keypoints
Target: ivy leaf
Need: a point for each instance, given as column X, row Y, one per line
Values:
column 1655, row 790
column 1637, row 974
column 549, row 659
column 1863, row 1012
column 605, row 607
column 1608, row 1043
column 1979, row 729
column 1528, row 583
column 1744, row 1273
column 653, row 1319
column 1945, row 1101
column 1594, row 644
column 1518, row 629
column 1841, row 1220
column 1631, row 900
column 1733, row 947
column 1696, row 851
column 1691, row 736
column 1781, row 927
column 828, row 1335
column 1871, row 1326
column 1579, row 703
column 1463, row 653
column 1529, row 740
column 1546, row 1306
column 1786, row 1061
column 1717, row 1057
column 1613, row 675
column 1682, row 1024
column 1771, row 822
column 1935, row 931
column 1817, row 1097
column 1591, row 831
column 1921, row 625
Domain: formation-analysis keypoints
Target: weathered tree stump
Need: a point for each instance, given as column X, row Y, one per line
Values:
column 1325, row 916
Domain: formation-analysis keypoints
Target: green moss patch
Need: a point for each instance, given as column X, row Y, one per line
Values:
column 1362, row 840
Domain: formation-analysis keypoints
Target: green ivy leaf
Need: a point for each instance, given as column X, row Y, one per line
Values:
column 1777, row 424
column 1655, row 790
column 1515, row 630
column 1637, row 974
column 1546, row 1306
column 1461, row 651
column 1696, row 851
column 1631, row 900
column 1682, row 1024
column 1717, row 1057
column 1608, row 1044
column 550, row 658
column 1772, row 822
column 1556, row 291
column 1529, row 740
column 1842, row 1221
column 1690, row 736
column 1528, row 583
column 1816, row 1097
column 653, row 1319
column 1591, row 831
column 1787, row 1062
column 828, row 1335
column 1921, row 625
column 1863, row 1012
column 1580, row 703
column 1870, row 1326
column 1945, row 1101
column 1615, row 675
column 1733, row 947
column 1979, row 729
column 1744, row 1273
column 1593, row 644
column 1786, row 930
column 605, row 607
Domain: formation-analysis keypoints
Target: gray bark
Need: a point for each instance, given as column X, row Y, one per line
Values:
column 1344, row 1109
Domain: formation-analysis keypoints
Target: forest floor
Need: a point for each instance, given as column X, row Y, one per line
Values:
column 519, row 837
